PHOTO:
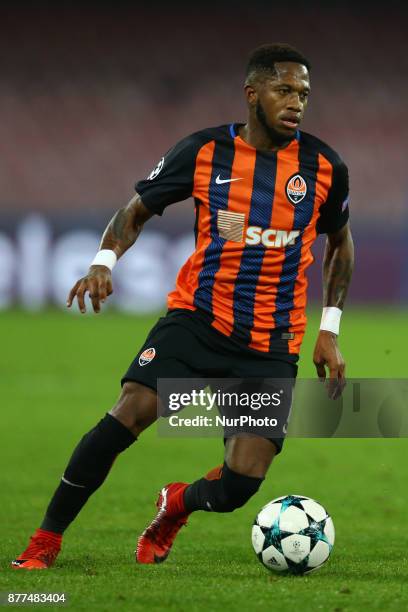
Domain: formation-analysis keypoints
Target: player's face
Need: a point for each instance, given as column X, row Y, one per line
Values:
column 280, row 101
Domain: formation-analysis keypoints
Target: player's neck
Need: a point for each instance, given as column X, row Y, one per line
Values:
column 255, row 135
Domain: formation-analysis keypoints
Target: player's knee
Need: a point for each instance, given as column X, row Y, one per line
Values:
column 235, row 490
column 136, row 407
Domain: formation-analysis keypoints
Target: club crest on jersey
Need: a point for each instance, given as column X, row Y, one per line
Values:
column 296, row 188
column 156, row 170
column 147, row 356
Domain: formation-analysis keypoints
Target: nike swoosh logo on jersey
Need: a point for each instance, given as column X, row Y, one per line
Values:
column 221, row 181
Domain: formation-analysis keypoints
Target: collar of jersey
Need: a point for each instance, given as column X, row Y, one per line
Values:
column 235, row 135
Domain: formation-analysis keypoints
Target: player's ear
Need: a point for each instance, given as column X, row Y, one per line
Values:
column 251, row 94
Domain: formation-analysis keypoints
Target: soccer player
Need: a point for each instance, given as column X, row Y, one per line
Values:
column 263, row 190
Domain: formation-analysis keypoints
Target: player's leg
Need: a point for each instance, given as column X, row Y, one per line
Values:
column 230, row 486
column 223, row 489
column 92, row 459
column 87, row 469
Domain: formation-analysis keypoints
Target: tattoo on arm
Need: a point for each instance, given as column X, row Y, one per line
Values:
column 118, row 223
column 124, row 228
column 338, row 265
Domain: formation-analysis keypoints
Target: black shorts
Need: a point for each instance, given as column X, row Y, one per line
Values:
column 183, row 345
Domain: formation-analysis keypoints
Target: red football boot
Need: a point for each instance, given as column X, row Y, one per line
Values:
column 155, row 543
column 41, row 552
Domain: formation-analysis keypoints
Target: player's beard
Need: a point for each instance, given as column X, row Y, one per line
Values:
column 275, row 137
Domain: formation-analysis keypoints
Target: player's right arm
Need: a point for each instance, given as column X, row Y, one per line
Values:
column 171, row 181
column 120, row 234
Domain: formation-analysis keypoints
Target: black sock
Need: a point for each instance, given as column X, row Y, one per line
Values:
column 87, row 469
column 224, row 494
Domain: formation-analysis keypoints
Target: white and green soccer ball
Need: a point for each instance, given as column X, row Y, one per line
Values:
column 293, row 534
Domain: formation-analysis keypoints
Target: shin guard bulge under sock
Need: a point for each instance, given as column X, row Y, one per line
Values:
column 87, row 469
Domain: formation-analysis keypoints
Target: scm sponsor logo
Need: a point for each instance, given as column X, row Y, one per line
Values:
column 270, row 237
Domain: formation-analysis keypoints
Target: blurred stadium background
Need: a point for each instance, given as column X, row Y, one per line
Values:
column 93, row 94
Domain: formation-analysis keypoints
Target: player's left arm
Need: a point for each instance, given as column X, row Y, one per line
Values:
column 338, row 262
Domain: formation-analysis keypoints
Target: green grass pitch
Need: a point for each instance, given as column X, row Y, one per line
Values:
column 59, row 373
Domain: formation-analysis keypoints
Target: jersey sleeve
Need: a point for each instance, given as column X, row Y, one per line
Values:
column 334, row 213
column 172, row 179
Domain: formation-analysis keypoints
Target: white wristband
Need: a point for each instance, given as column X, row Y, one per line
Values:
column 105, row 257
column 331, row 319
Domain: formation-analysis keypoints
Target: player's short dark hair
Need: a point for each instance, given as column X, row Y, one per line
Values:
column 263, row 58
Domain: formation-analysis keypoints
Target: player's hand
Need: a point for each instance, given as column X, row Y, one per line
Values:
column 98, row 283
column 327, row 354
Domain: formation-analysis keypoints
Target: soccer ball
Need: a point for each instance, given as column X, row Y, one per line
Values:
column 293, row 534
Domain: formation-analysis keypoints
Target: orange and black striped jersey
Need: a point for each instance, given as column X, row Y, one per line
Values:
column 257, row 216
